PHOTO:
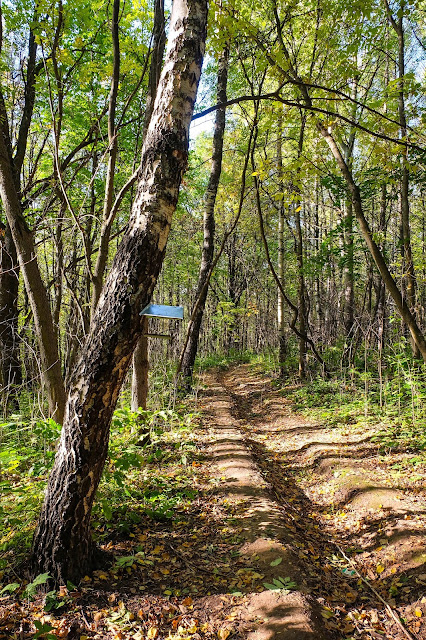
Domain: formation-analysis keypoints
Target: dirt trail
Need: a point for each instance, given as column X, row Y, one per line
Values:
column 312, row 492
column 282, row 615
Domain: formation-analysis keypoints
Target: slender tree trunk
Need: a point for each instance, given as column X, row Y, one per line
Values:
column 140, row 370
column 348, row 272
column 62, row 544
column 282, row 342
column 46, row 335
column 409, row 278
column 317, row 239
column 301, row 292
column 9, row 335
column 209, row 221
column 140, row 357
column 381, row 294
column 107, row 220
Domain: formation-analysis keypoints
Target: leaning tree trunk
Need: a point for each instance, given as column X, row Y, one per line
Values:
column 191, row 348
column 62, row 544
column 403, row 308
column 10, row 193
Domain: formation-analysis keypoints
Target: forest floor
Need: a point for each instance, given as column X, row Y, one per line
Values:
column 298, row 530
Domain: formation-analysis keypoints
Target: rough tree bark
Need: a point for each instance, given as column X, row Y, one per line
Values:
column 188, row 359
column 62, row 543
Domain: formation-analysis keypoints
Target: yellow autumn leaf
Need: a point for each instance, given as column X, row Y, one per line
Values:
column 418, row 613
column 298, row 209
column 152, row 633
column 380, row 568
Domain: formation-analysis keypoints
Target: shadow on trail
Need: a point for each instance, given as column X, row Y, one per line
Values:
column 317, row 546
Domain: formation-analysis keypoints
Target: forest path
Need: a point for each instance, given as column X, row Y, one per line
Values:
column 268, row 614
column 319, row 491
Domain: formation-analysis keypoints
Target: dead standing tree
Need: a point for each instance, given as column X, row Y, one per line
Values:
column 62, row 544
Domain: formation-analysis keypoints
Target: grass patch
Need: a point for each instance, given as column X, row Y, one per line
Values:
column 397, row 406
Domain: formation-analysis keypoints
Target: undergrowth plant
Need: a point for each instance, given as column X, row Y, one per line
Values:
column 393, row 397
column 148, row 472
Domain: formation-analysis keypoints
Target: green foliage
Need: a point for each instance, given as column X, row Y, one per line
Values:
column 10, row 588
column 224, row 360
column 148, row 465
column 397, row 402
column 282, row 585
column 31, row 588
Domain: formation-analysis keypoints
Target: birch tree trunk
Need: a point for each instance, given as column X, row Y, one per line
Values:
column 62, row 543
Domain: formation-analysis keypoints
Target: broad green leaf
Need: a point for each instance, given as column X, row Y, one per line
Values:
column 276, row 562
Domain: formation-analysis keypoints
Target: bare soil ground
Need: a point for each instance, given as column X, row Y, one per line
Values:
column 355, row 522
column 316, row 508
